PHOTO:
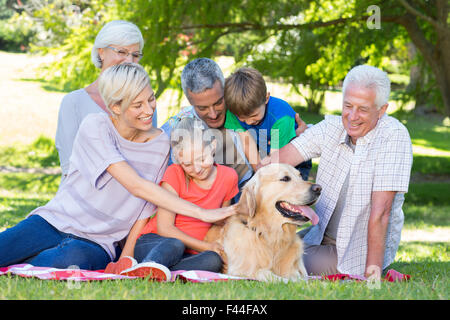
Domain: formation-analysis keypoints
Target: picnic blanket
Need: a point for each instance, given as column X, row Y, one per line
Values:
column 48, row 273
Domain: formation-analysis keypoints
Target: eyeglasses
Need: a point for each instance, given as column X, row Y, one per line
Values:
column 125, row 53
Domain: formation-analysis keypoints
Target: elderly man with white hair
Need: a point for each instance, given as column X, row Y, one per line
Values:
column 364, row 170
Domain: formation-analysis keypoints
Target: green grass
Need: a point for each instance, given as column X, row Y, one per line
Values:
column 427, row 263
column 432, row 165
column 41, row 153
column 426, row 209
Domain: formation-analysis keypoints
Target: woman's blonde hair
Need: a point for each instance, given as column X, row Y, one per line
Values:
column 121, row 84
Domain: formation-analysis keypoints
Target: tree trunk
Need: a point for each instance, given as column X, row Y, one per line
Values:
column 438, row 56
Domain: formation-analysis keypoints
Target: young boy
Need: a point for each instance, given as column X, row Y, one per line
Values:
column 264, row 123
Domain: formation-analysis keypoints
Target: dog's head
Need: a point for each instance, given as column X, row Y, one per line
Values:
column 280, row 189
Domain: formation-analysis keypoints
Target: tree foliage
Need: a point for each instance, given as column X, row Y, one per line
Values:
column 312, row 43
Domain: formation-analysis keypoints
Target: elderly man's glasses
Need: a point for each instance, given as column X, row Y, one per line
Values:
column 125, row 53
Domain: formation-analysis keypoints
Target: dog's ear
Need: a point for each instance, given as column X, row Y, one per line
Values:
column 247, row 202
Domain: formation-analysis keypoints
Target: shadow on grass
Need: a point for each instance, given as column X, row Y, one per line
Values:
column 427, row 131
column 30, row 182
column 431, row 165
column 41, row 153
column 427, row 205
column 17, row 208
column 428, row 193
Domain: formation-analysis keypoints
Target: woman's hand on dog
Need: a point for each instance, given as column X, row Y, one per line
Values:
column 213, row 215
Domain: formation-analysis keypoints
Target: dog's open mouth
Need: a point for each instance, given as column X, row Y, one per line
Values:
column 296, row 212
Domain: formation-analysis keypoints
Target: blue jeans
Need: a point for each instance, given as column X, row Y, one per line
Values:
column 170, row 253
column 37, row 242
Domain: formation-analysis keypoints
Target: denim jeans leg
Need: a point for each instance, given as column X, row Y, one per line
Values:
column 153, row 247
column 73, row 251
column 26, row 239
column 206, row 260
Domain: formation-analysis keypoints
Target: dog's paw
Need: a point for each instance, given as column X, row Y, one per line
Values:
column 302, row 271
column 269, row 276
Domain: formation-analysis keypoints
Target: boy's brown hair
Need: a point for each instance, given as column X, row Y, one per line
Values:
column 245, row 91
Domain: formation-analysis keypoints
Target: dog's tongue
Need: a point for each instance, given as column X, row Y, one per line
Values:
column 308, row 212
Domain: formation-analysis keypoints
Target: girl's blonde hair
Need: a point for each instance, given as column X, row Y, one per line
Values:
column 121, row 84
column 190, row 131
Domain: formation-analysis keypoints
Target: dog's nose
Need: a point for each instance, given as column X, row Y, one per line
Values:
column 316, row 189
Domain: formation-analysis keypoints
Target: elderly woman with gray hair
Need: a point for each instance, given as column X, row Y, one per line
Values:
column 112, row 183
column 117, row 42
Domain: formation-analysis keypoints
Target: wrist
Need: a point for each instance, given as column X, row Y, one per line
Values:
column 373, row 271
column 200, row 213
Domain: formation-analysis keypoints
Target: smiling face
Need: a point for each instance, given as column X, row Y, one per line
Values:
column 359, row 112
column 139, row 114
column 277, row 193
column 111, row 57
column 209, row 105
column 197, row 160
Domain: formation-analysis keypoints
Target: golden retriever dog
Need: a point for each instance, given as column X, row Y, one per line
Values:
column 261, row 242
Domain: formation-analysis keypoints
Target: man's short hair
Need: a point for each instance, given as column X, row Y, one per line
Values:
column 245, row 91
column 370, row 77
column 199, row 75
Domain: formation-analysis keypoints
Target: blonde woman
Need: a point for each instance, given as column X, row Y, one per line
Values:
column 112, row 183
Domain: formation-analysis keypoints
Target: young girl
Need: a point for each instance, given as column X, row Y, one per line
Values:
column 112, row 182
column 171, row 240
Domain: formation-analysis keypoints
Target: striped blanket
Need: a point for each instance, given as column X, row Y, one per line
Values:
column 48, row 273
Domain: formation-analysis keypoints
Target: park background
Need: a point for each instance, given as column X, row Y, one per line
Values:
column 303, row 48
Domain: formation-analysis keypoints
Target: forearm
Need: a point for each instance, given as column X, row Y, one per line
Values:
column 172, row 202
column 150, row 191
column 128, row 249
column 377, row 230
column 153, row 193
column 190, row 242
column 376, row 242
